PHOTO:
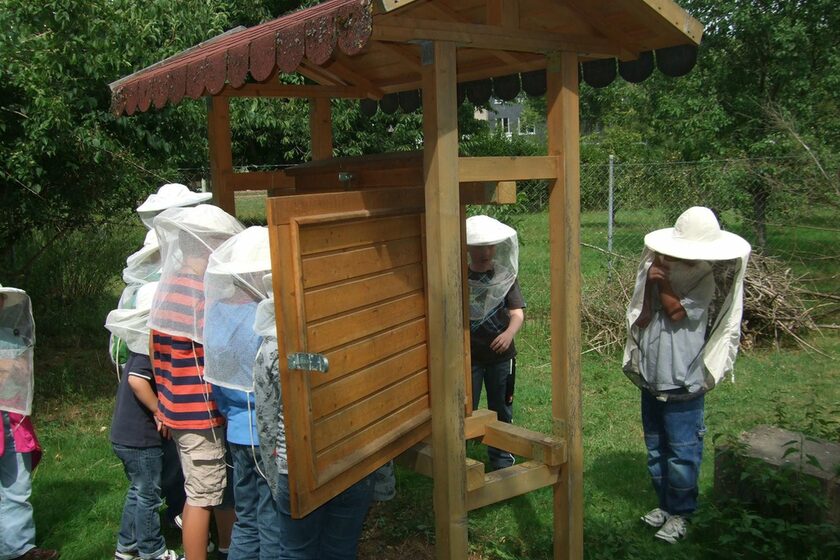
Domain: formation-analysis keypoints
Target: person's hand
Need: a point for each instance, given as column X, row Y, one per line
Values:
column 658, row 271
column 162, row 428
column 502, row 342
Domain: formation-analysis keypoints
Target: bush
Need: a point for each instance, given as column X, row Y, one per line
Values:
column 74, row 280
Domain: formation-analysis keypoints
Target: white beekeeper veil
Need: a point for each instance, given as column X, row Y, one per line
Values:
column 696, row 235
column 131, row 325
column 233, row 287
column 265, row 323
column 170, row 195
column 144, row 265
column 488, row 290
column 187, row 236
column 17, row 349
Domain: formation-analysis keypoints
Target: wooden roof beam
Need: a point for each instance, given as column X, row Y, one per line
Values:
column 630, row 49
column 405, row 53
column 405, row 29
column 350, row 76
column 445, row 11
column 677, row 19
column 385, row 6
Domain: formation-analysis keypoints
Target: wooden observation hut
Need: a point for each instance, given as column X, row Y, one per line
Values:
column 367, row 251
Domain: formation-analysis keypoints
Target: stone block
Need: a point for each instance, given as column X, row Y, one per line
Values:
column 817, row 459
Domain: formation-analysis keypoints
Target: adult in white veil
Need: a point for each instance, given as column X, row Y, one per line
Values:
column 683, row 327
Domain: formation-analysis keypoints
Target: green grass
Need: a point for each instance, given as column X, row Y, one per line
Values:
column 79, row 487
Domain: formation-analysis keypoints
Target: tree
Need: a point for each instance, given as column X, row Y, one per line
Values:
column 766, row 86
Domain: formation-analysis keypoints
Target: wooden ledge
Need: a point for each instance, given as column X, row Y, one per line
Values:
column 511, row 481
column 525, row 443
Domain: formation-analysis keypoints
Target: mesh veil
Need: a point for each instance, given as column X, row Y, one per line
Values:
column 187, row 237
column 131, row 325
column 488, row 289
column 17, row 348
column 233, row 287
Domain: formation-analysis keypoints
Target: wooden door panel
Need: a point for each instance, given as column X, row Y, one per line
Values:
column 329, row 333
column 335, row 236
column 335, row 267
column 359, row 415
column 361, row 293
column 329, row 398
column 409, row 415
column 353, row 356
column 350, row 285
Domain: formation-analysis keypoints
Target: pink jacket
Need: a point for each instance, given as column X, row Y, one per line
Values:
column 23, row 433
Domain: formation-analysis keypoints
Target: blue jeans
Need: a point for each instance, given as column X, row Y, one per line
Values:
column 495, row 378
column 256, row 533
column 17, row 527
column 172, row 481
column 674, row 438
column 332, row 531
column 140, row 524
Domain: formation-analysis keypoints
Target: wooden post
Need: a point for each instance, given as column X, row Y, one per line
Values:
column 221, row 157
column 320, row 128
column 564, row 234
column 445, row 310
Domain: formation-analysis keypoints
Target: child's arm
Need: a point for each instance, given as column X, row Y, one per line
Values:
column 502, row 342
column 143, row 391
column 670, row 301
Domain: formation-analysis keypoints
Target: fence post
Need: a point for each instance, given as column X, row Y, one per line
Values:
column 610, row 211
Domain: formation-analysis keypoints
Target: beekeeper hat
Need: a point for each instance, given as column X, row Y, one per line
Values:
column 172, row 195
column 201, row 220
column 484, row 230
column 696, row 235
column 12, row 296
column 245, row 252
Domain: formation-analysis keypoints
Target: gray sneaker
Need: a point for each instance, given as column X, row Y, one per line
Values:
column 655, row 517
column 673, row 530
column 127, row 555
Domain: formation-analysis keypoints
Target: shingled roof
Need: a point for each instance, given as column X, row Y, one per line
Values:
column 370, row 49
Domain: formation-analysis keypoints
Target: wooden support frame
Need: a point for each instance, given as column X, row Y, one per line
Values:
column 562, row 101
column 221, row 156
column 420, row 459
column 445, row 311
column 320, row 128
column 511, row 481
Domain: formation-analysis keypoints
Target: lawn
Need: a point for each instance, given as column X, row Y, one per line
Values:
column 79, row 487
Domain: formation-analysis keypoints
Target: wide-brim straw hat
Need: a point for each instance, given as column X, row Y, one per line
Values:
column 484, row 230
column 696, row 235
column 172, row 195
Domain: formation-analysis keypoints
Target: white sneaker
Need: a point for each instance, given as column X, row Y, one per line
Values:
column 169, row 555
column 655, row 517
column 673, row 530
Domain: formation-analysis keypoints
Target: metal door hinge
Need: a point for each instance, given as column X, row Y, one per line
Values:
column 306, row 361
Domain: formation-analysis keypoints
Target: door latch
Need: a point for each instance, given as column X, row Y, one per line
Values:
column 306, row 361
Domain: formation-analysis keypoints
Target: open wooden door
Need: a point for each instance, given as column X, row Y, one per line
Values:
column 349, row 286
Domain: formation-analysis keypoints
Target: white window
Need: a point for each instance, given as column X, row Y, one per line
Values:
column 504, row 123
column 526, row 127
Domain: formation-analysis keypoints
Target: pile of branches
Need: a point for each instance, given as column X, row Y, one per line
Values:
column 775, row 311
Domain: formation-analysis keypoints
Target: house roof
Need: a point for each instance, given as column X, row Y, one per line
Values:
column 371, row 48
